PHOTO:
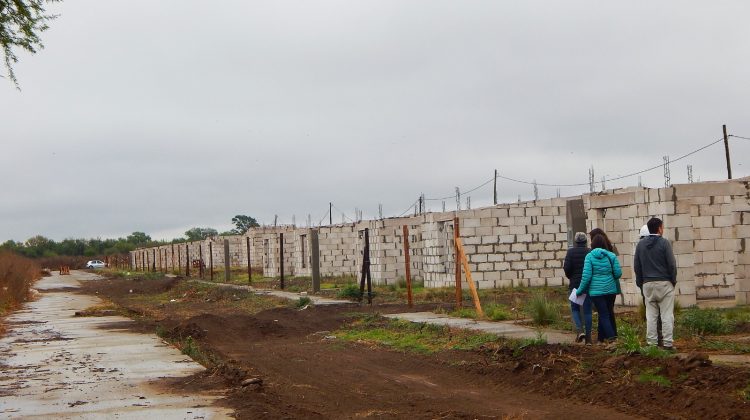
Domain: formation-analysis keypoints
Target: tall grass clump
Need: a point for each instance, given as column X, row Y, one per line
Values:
column 541, row 310
column 349, row 291
column 704, row 321
column 17, row 274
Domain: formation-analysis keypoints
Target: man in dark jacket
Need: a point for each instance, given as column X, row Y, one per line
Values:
column 656, row 274
column 573, row 267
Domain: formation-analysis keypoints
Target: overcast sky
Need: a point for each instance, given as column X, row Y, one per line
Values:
column 158, row 116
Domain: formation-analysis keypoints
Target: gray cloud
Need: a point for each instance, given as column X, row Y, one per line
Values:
column 159, row 116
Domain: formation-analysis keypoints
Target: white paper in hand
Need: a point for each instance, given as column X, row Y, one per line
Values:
column 577, row 299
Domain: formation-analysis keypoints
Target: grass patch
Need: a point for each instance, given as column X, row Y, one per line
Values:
column 654, row 352
column 464, row 313
column 652, row 377
column 497, row 312
column 697, row 321
column 729, row 346
column 542, row 310
column 412, row 337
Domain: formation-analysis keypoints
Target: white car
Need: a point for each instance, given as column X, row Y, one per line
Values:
column 95, row 264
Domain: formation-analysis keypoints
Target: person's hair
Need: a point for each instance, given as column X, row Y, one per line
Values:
column 598, row 232
column 599, row 241
column 654, row 224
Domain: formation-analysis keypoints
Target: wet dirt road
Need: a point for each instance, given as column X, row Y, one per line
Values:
column 56, row 365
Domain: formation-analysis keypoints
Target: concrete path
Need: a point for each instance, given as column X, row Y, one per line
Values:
column 316, row 300
column 55, row 365
column 503, row 329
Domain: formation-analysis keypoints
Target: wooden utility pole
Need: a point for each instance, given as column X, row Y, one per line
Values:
column 726, row 149
column 407, row 262
column 457, row 255
column 330, row 214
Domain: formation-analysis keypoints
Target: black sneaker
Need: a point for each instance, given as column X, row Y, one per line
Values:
column 581, row 337
column 670, row 349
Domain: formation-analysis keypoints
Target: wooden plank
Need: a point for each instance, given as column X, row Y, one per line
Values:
column 472, row 286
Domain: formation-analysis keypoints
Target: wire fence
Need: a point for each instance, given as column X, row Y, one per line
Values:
column 419, row 205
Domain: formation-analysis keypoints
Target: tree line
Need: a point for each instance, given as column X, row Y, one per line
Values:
column 42, row 247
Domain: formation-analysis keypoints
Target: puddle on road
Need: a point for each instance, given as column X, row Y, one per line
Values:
column 53, row 364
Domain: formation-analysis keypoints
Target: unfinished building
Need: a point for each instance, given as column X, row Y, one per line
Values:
column 513, row 245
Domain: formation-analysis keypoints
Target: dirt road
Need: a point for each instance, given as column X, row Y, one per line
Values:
column 56, row 365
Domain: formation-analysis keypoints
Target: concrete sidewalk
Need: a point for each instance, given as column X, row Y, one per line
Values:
column 56, row 365
column 503, row 329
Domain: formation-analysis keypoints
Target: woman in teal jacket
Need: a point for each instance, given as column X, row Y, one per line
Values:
column 601, row 280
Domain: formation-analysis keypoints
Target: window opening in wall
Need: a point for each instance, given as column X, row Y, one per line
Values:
column 446, row 246
column 303, row 249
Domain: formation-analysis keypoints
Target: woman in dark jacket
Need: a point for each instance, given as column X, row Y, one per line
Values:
column 573, row 267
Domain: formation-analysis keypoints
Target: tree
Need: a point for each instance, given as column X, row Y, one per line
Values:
column 243, row 223
column 137, row 238
column 199, row 234
column 21, row 23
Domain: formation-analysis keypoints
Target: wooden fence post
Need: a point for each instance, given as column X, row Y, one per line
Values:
column 281, row 258
column 459, row 293
column 407, row 263
column 227, row 262
column 200, row 259
column 211, row 259
column 315, row 260
column 249, row 265
column 187, row 259
column 366, row 270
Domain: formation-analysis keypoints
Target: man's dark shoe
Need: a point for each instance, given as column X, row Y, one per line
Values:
column 670, row 349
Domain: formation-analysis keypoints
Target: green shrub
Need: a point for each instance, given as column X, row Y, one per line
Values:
column 302, row 302
column 497, row 312
column 349, row 291
column 704, row 321
column 541, row 310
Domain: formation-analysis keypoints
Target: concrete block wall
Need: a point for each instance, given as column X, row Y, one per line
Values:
column 523, row 244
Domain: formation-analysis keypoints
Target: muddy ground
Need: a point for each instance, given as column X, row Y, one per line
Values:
column 308, row 373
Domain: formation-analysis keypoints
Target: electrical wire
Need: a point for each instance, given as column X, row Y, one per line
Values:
column 661, row 165
column 410, row 207
column 342, row 213
column 739, row 137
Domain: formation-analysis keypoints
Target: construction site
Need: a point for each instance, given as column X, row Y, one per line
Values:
column 510, row 245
